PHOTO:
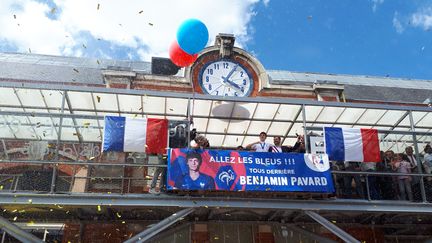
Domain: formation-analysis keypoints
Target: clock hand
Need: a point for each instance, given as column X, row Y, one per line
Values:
column 230, row 73
column 234, row 85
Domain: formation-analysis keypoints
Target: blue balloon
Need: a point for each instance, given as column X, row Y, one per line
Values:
column 192, row 36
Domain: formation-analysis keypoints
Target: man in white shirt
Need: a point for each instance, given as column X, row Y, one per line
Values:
column 261, row 145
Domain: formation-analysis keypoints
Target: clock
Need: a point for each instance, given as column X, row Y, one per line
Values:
column 225, row 70
column 225, row 77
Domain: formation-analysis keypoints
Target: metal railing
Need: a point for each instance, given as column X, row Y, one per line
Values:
column 138, row 179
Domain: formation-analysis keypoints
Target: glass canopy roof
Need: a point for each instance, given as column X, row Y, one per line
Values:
column 36, row 113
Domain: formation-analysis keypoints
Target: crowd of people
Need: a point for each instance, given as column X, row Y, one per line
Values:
column 390, row 186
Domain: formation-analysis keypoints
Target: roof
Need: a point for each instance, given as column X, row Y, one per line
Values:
column 385, row 89
column 48, row 68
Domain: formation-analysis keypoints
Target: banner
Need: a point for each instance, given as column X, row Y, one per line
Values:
column 230, row 170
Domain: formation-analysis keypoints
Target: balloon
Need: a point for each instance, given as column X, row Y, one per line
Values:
column 179, row 57
column 192, row 36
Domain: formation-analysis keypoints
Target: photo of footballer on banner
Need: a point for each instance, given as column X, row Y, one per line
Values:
column 230, row 170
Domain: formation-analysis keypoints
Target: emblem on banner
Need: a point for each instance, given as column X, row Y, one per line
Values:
column 225, row 177
column 317, row 162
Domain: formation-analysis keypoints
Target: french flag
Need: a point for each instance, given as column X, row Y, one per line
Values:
column 124, row 134
column 352, row 144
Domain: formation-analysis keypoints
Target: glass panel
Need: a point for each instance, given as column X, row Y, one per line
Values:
column 200, row 124
column 153, row 104
column 279, row 128
column 351, row 115
column 222, row 109
column 81, row 100
column 107, row 102
column 30, row 97
column 237, row 126
column 258, row 126
column 89, row 130
column 44, row 127
column 287, row 112
column 330, row 114
column 8, row 97
column 312, row 112
column 426, row 121
column 68, row 132
column 296, row 129
column 371, row 116
column 232, row 141
column 177, row 106
column 391, row 117
column 54, row 98
column 130, row 103
column 215, row 140
column 266, row 111
column 289, row 141
column 202, row 107
column 244, row 110
column 249, row 140
column 216, row 125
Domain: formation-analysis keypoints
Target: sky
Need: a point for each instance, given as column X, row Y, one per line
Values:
column 390, row 38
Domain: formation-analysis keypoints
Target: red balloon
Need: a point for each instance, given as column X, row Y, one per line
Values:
column 180, row 57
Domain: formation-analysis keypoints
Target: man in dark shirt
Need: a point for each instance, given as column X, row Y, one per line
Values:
column 194, row 180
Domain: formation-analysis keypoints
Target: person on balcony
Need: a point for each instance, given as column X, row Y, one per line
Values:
column 261, row 145
column 387, row 184
column 277, row 147
column 159, row 171
column 427, row 161
column 401, row 165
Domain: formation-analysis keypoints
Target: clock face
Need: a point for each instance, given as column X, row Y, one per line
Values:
column 225, row 78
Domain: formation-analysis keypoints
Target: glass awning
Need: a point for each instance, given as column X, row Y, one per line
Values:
column 76, row 114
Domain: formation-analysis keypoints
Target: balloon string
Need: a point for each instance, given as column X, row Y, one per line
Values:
column 193, row 104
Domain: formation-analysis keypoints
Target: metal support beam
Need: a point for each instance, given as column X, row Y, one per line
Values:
column 307, row 233
column 331, row 227
column 155, row 229
column 417, row 154
column 17, row 232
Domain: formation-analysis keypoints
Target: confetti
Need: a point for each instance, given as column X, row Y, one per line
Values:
column 1, row 187
column 14, row 16
column 98, row 98
column 118, row 215
column 99, row 208
column 76, row 70
column 98, row 62
column 15, row 218
column 98, row 6
column 140, row 12
column 29, row 50
column 30, row 201
column 84, row 46
column 53, row 10
column 123, row 222
column 150, row 24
